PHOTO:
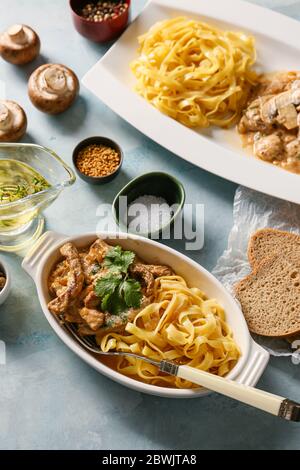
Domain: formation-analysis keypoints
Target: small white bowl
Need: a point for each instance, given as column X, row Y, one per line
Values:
column 6, row 289
column 40, row 260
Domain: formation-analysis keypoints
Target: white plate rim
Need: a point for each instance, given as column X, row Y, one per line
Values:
column 214, row 158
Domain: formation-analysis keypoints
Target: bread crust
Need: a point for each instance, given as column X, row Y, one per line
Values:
column 253, row 257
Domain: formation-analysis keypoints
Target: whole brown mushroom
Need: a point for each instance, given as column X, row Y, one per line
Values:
column 19, row 44
column 13, row 121
column 52, row 88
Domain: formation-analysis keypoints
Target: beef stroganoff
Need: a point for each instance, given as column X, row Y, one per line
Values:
column 271, row 120
column 132, row 306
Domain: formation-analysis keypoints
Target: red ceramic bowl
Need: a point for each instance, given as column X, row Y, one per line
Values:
column 103, row 31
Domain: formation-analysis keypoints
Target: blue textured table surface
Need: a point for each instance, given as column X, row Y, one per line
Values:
column 50, row 399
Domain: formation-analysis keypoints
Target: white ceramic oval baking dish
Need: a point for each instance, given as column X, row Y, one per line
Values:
column 45, row 254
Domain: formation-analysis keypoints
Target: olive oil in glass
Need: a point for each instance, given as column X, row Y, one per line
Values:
column 17, row 181
column 31, row 178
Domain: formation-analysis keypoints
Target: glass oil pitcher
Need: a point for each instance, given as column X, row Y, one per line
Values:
column 31, row 178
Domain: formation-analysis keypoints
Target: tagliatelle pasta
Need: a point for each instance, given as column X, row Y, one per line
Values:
column 182, row 325
column 195, row 73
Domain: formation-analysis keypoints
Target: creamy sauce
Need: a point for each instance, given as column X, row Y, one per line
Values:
column 287, row 163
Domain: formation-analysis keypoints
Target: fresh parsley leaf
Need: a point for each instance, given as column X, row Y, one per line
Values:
column 128, row 259
column 116, row 290
column 105, row 302
column 117, row 260
column 114, row 303
column 106, row 285
column 118, row 304
column 132, row 292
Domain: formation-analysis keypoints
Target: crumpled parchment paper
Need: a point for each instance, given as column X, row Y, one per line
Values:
column 251, row 211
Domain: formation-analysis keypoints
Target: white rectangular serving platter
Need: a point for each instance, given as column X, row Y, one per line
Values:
column 215, row 150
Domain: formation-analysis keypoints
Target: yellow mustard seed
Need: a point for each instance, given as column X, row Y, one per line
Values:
column 97, row 160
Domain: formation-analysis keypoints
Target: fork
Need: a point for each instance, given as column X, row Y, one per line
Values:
column 268, row 402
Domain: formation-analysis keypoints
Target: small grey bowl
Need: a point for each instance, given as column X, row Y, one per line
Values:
column 97, row 140
column 6, row 289
column 157, row 184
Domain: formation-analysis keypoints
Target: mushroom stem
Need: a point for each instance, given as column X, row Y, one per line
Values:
column 4, row 116
column 55, row 80
column 17, row 34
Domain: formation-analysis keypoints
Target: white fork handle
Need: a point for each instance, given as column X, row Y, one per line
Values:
column 265, row 401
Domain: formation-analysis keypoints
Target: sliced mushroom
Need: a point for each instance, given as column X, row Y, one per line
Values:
column 277, row 83
column 13, row 121
column 253, row 120
column 276, row 104
column 268, row 110
column 287, row 116
column 269, row 148
column 282, row 107
column 19, row 44
column 288, row 97
column 52, row 88
column 293, row 149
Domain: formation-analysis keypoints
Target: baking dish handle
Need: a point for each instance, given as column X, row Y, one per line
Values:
column 35, row 255
column 255, row 366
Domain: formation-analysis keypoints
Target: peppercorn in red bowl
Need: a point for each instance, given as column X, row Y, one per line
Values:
column 100, row 21
column 97, row 160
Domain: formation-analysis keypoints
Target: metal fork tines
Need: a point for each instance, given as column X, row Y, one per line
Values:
column 89, row 343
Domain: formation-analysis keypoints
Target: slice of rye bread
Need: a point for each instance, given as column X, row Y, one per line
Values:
column 270, row 296
column 267, row 242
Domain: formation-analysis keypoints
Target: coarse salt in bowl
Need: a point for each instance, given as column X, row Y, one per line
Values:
column 155, row 213
column 155, row 186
